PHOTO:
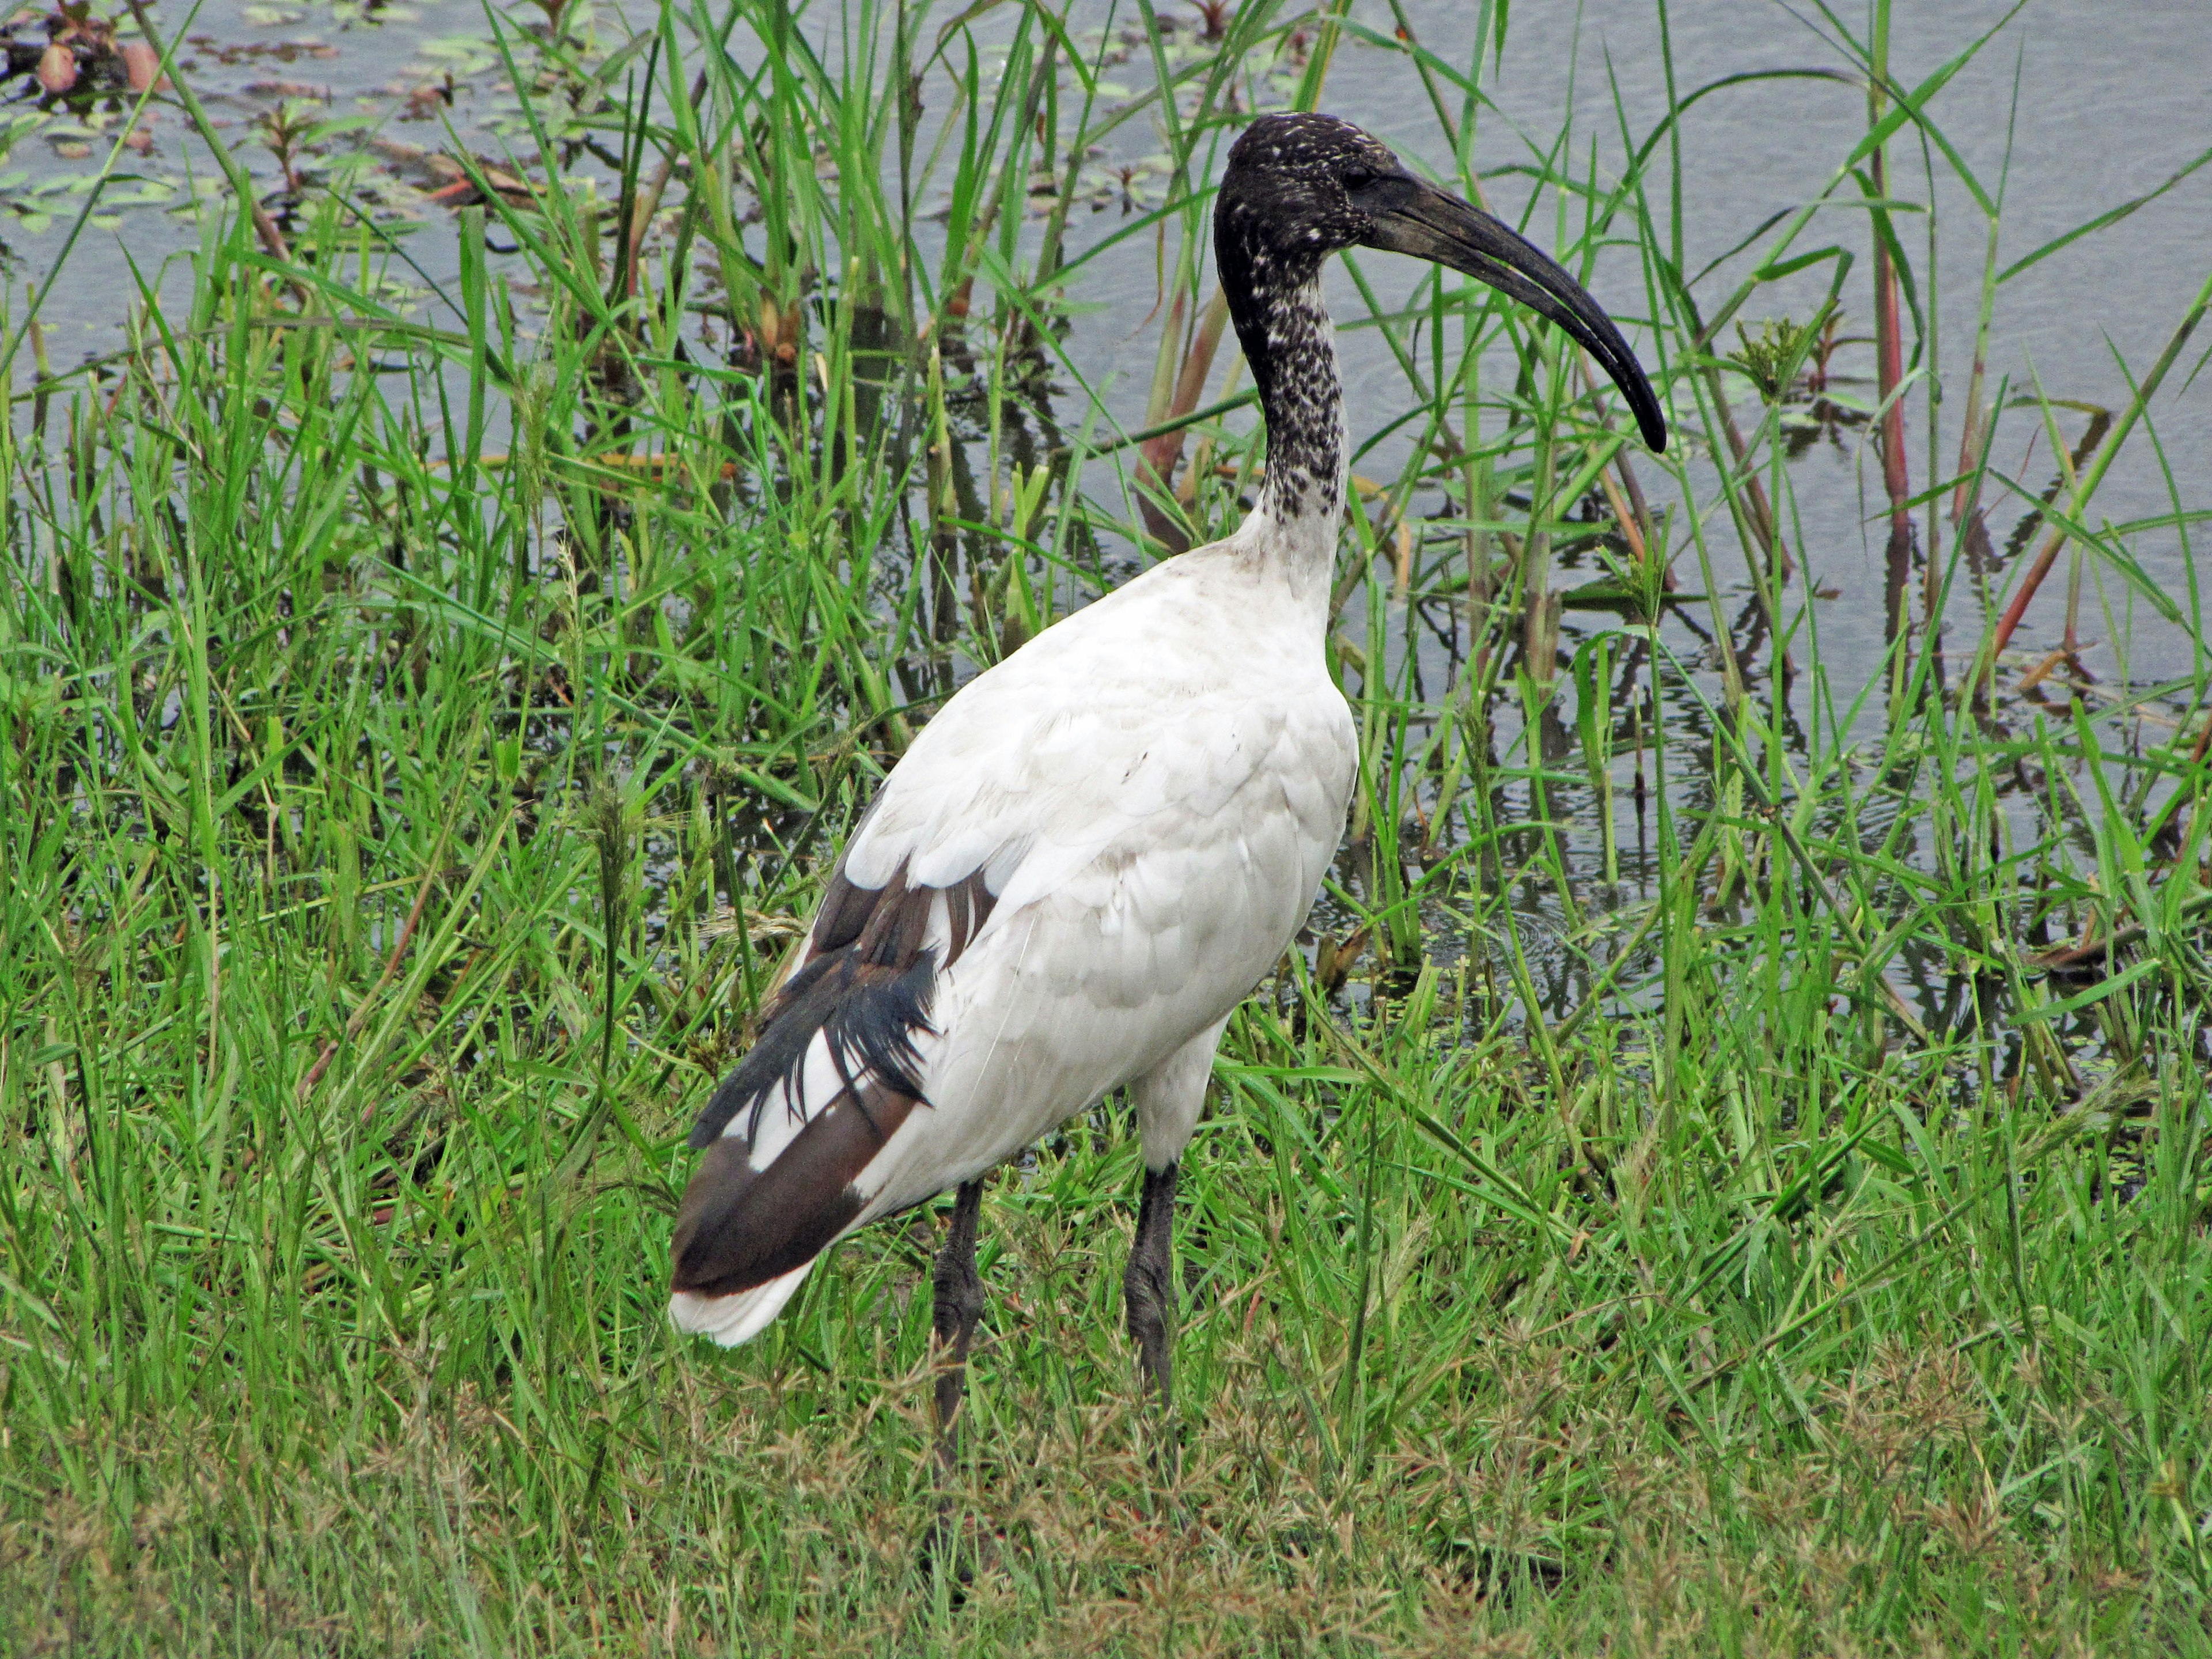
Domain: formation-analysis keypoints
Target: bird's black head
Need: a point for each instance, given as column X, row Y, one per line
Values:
column 1299, row 189
column 1302, row 187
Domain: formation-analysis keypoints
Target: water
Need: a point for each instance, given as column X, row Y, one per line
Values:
column 2069, row 111
column 2107, row 104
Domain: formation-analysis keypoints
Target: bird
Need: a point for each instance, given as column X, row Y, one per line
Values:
column 1098, row 846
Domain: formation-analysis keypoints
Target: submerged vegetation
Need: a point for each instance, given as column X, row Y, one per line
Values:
column 1730, row 1170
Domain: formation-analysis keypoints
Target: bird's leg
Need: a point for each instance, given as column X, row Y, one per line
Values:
column 959, row 1302
column 1148, row 1285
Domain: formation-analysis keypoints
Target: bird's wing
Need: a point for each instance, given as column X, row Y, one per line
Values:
column 1065, row 781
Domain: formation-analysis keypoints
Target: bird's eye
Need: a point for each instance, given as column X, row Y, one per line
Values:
column 1358, row 178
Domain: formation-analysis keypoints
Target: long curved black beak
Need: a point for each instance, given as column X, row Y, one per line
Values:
column 1409, row 216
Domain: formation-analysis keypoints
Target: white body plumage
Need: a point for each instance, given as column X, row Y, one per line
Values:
column 1153, row 789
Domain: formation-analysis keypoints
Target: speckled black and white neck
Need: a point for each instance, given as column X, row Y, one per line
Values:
column 1290, row 344
column 1271, row 234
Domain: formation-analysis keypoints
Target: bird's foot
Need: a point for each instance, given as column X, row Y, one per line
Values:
column 1148, row 1286
column 944, row 1553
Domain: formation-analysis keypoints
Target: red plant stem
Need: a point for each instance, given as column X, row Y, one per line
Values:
column 1157, row 456
column 2088, row 485
column 2047, row 556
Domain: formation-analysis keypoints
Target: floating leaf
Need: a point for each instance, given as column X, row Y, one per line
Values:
column 141, row 63
column 56, row 69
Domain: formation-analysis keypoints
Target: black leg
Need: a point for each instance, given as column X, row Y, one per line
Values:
column 1148, row 1286
column 959, row 1302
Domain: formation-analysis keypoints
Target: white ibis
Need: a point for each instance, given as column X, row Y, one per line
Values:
column 1098, row 846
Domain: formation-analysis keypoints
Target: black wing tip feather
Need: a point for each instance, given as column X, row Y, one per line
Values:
column 876, row 1025
column 739, row 1228
column 868, row 984
column 867, row 990
column 775, row 1056
column 871, row 1023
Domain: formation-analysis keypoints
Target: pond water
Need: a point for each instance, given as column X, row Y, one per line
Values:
column 2074, row 109
column 2109, row 105
column 2097, row 105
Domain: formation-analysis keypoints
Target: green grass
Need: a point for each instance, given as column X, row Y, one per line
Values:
column 419, row 733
